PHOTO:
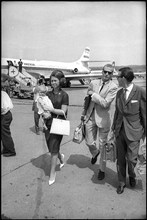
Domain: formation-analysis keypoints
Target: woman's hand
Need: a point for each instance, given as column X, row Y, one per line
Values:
column 58, row 111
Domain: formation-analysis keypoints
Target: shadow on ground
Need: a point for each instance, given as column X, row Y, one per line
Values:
column 43, row 162
column 82, row 161
column 4, row 217
column 32, row 129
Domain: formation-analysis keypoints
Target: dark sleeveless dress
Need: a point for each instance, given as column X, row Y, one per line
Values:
column 53, row 140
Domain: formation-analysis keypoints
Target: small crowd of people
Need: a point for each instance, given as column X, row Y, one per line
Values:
column 127, row 126
column 20, row 63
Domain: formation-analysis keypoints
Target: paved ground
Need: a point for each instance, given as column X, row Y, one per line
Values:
column 77, row 193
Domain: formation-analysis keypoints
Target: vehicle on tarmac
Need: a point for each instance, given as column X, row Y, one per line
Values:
column 16, row 88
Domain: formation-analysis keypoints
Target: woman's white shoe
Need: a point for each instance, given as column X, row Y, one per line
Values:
column 50, row 182
column 62, row 164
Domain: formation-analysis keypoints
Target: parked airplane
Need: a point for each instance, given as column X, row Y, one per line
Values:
column 74, row 70
column 78, row 70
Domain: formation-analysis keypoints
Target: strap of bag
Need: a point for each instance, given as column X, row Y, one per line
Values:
column 81, row 124
column 82, row 127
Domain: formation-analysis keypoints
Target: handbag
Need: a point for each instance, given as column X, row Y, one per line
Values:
column 110, row 151
column 141, row 164
column 60, row 126
column 79, row 133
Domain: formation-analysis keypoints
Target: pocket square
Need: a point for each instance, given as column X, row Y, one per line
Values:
column 133, row 101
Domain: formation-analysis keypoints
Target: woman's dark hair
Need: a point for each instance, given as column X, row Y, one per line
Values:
column 127, row 73
column 59, row 75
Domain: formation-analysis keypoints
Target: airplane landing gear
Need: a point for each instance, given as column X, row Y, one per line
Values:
column 68, row 84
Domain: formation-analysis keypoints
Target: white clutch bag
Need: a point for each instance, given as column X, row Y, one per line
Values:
column 60, row 127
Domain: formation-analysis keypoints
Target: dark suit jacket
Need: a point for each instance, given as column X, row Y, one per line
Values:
column 132, row 112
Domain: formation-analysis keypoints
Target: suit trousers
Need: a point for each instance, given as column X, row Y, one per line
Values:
column 127, row 154
column 36, row 119
column 7, row 141
column 96, row 134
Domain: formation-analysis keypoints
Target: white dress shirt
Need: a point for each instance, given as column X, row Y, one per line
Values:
column 129, row 89
column 6, row 103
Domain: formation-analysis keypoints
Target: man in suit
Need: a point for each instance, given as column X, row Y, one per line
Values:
column 96, row 116
column 20, row 65
column 129, row 125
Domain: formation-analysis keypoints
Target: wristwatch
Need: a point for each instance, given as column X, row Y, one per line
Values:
column 82, row 117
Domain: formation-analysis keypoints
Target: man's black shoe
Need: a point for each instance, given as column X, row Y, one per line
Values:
column 3, row 152
column 120, row 189
column 132, row 181
column 9, row 154
column 94, row 159
column 101, row 175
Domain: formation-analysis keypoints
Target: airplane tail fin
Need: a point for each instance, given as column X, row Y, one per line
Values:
column 85, row 55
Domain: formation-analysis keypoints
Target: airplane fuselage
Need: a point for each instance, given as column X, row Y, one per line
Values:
column 46, row 67
column 78, row 70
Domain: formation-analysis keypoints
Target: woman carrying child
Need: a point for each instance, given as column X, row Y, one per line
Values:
column 60, row 101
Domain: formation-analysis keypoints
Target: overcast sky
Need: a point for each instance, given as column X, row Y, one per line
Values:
column 59, row 31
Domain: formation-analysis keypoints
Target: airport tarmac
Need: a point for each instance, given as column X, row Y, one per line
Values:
column 77, row 193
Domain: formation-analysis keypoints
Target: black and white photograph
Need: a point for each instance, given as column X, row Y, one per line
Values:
column 73, row 110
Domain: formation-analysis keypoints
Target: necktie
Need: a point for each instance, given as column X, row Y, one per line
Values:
column 125, row 91
column 102, row 87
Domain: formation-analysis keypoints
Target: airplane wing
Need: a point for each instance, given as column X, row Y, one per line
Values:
column 100, row 64
column 96, row 75
column 98, row 61
column 83, row 76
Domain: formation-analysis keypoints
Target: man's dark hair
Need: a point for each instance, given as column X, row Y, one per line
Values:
column 127, row 73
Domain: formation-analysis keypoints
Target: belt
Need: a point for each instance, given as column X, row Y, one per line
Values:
column 5, row 113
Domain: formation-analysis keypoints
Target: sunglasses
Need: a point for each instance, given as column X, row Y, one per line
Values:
column 108, row 72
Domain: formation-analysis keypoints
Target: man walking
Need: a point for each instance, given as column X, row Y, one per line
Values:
column 101, row 93
column 129, row 126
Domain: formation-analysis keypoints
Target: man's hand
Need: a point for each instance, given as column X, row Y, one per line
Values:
column 90, row 92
